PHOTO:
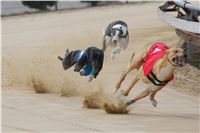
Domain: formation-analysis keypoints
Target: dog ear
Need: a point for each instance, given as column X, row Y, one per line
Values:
column 67, row 51
column 167, row 51
column 60, row 58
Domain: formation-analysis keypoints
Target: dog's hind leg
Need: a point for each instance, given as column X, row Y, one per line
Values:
column 134, row 81
column 124, row 74
column 122, row 78
column 143, row 94
column 134, row 63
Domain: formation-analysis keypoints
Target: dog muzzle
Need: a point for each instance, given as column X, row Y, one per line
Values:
column 180, row 60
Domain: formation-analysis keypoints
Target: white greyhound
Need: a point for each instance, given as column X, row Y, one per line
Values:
column 116, row 35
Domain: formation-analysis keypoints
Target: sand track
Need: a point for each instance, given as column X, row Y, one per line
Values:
column 30, row 48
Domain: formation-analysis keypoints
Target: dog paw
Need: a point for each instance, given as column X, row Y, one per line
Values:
column 90, row 78
column 128, row 102
column 112, row 56
column 123, row 100
column 154, row 103
column 76, row 69
column 114, row 91
column 123, row 93
column 117, row 86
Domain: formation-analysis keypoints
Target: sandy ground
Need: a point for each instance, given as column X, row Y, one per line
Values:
column 187, row 81
column 30, row 47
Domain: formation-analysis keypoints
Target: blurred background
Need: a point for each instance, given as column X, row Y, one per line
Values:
column 21, row 7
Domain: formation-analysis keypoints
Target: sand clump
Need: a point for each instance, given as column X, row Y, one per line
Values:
column 38, row 86
column 110, row 103
column 95, row 100
column 68, row 89
column 61, row 85
column 119, row 108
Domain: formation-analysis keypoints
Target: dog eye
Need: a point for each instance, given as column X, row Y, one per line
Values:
column 176, row 51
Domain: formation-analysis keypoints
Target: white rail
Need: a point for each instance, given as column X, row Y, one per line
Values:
column 188, row 5
column 179, row 23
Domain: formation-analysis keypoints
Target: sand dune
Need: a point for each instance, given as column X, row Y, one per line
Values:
column 31, row 44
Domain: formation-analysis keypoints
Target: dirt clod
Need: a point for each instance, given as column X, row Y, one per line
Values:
column 115, row 109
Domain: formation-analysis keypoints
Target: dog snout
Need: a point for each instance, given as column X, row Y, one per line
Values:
column 182, row 60
column 184, row 57
column 65, row 67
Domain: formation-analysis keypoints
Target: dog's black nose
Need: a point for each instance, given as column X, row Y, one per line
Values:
column 115, row 41
column 185, row 56
column 173, row 59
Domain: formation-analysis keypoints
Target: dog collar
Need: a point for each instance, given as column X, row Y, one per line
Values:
column 120, row 30
column 79, row 55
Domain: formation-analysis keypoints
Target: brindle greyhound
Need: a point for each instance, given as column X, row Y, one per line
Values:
column 87, row 62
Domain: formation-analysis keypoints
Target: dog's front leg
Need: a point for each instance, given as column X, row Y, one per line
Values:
column 122, row 78
column 152, row 96
column 115, row 51
column 123, row 43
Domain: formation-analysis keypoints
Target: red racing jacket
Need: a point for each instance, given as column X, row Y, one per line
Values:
column 156, row 51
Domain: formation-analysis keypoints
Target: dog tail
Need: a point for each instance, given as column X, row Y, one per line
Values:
column 133, row 54
column 60, row 58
